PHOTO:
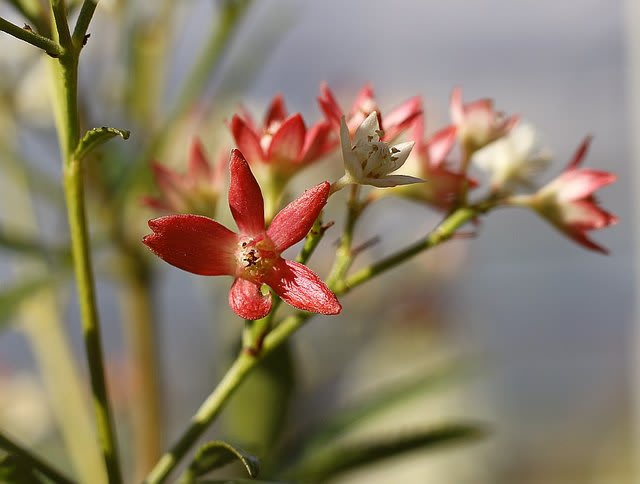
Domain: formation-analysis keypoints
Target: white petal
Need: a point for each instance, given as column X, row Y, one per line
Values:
column 369, row 127
column 401, row 156
column 392, row 181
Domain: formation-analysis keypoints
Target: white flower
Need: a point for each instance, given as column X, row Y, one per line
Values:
column 513, row 160
column 370, row 161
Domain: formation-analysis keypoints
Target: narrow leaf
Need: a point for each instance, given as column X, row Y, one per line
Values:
column 217, row 453
column 337, row 459
column 95, row 137
column 13, row 297
column 375, row 403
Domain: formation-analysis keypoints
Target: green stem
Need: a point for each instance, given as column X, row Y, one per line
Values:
column 33, row 460
column 440, row 234
column 61, row 24
column 203, row 417
column 344, row 254
column 49, row 46
column 245, row 361
column 65, row 77
column 90, row 323
column 84, row 19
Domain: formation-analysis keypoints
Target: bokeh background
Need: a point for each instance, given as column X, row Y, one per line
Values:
column 546, row 328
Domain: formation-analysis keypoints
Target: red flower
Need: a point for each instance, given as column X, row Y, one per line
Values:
column 392, row 124
column 202, row 246
column 429, row 161
column 568, row 202
column 196, row 191
column 478, row 123
column 283, row 141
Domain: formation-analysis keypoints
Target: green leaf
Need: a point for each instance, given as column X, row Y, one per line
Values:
column 95, row 137
column 336, row 459
column 272, row 383
column 14, row 470
column 375, row 403
column 13, row 297
column 217, row 453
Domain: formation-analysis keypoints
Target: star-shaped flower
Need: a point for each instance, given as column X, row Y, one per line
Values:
column 478, row 123
column 393, row 123
column 370, row 161
column 283, row 142
column 197, row 191
column 513, row 160
column 568, row 203
column 428, row 160
column 253, row 256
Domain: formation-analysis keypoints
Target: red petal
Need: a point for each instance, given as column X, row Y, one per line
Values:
column 401, row 117
column 440, row 144
column 193, row 243
column 293, row 222
column 329, row 105
column 580, row 153
column 318, row 142
column 245, row 197
column 276, row 112
column 247, row 139
column 247, row 301
column 578, row 184
column 364, row 98
column 287, row 142
column 456, row 109
column 302, row 288
column 199, row 167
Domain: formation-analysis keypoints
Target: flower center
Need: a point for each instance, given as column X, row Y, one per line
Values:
column 255, row 256
column 375, row 156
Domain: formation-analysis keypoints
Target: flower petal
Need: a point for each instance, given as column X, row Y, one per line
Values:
column 247, row 301
column 400, row 156
column 391, row 181
column 329, row 105
column 455, row 106
column 302, row 288
column 319, row 141
column 276, row 112
column 351, row 163
column 287, row 142
column 193, row 243
column 247, row 139
column 199, row 167
column 294, row 221
column 401, row 117
column 245, row 197
column 440, row 145
column 577, row 184
column 370, row 127
column 580, row 153
column 365, row 99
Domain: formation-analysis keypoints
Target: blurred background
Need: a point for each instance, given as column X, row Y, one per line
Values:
column 542, row 329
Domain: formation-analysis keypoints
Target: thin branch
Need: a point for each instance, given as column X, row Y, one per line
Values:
column 62, row 24
column 49, row 46
column 84, row 19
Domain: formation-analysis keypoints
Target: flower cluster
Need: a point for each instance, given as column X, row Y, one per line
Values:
column 497, row 144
